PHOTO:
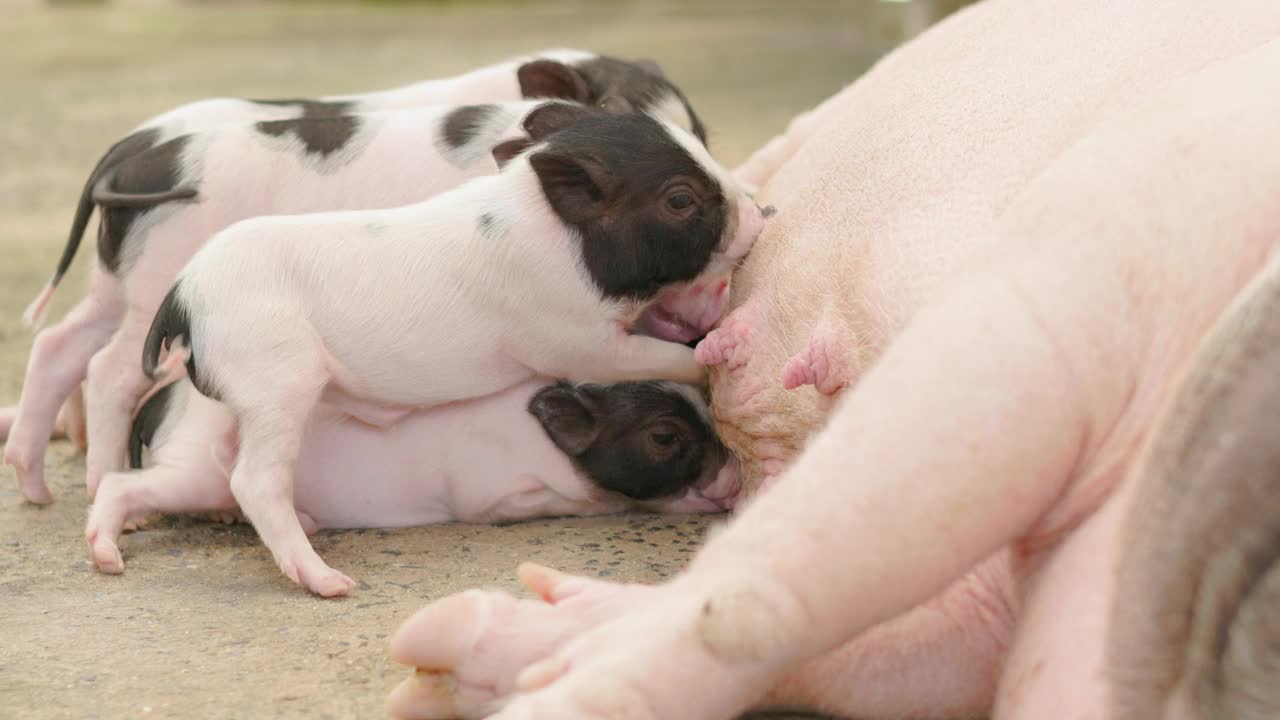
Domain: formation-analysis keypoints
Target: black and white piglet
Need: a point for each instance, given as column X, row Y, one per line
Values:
column 534, row 450
column 539, row 270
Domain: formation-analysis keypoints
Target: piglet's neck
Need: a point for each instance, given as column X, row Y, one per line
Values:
column 515, row 200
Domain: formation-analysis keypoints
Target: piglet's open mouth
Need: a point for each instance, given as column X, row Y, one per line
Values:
column 684, row 313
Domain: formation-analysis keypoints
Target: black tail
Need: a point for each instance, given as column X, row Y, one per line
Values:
column 126, row 148
column 146, row 422
column 172, row 322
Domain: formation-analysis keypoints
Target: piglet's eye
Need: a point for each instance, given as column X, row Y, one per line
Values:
column 663, row 442
column 680, row 202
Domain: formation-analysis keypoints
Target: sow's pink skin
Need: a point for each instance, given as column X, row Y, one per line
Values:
column 179, row 178
column 537, row 449
column 1000, row 249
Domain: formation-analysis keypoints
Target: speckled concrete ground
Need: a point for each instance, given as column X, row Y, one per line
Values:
column 202, row 624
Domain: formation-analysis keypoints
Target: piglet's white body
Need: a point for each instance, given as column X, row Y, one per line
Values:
column 492, row 83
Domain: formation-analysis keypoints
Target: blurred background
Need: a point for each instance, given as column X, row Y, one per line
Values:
column 77, row 75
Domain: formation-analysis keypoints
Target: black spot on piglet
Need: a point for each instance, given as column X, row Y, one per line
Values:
column 462, row 124
column 146, row 422
column 319, row 135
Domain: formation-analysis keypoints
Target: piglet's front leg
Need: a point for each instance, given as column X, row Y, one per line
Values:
column 621, row 357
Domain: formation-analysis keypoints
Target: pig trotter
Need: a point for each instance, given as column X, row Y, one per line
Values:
column 469, row 649
column 475, row 650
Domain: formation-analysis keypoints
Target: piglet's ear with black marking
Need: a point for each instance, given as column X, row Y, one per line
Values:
column 505, row 152
column 579, row 188
column 569, row 416
column 553, row 117
column 551, row 79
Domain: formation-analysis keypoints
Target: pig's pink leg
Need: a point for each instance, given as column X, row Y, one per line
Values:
column 129, row 497
column 57, row 364
column 822, row 363
column 71, row 420
column 1056, row 666
column 472, row 645
column 940, row 660
column 69, row 424
column 115, row 384
column 272, row 410
column 904, row 467
column 728, row 343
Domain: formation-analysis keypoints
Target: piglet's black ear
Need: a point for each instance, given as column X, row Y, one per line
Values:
column 553, row 117
column 579, row 188
column 551, row 79
column 650, row 66
column 569, row 416
column 505, row 151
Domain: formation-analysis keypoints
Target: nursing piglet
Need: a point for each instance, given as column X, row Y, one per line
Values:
column 539, row 270
column 164, row 203
column 537, row 449
column 146, row 184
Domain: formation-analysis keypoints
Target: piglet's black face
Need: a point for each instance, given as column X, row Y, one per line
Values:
column 649, row 214
column 644, row 440
column 614, row 85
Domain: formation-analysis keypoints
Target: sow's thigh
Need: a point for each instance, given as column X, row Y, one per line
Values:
column 891, row 184
column 1165, row 604
column 1194, row 623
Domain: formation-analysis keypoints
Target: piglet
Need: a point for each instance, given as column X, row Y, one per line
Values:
column 536, row 271
column 533, row 450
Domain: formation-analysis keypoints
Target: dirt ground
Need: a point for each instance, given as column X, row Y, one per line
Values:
column 202, row 624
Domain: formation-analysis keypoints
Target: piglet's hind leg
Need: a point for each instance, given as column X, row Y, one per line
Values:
column 116, row 382
column 272, row 411
column 129, row 497
column 58, row 361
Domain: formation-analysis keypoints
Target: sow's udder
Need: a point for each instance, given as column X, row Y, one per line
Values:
column 761, row 423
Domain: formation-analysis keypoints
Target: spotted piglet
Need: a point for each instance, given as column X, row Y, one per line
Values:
column 167, row 187
column 539, row 270
column 537, row 449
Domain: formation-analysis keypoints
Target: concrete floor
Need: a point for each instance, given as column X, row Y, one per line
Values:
column 202, row 624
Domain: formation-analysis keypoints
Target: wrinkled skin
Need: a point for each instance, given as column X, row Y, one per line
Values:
column 995, row 257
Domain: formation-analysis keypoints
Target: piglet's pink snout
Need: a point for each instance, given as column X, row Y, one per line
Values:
column 721, row 495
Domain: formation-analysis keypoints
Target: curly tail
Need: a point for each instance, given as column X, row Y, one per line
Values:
column 171, row 328
column 146, row 422
column 97, row 191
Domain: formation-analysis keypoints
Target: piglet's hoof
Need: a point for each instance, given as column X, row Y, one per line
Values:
column 325, row 582
column 106, row 555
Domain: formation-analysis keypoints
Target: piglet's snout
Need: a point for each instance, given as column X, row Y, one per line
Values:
column 724, row 490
